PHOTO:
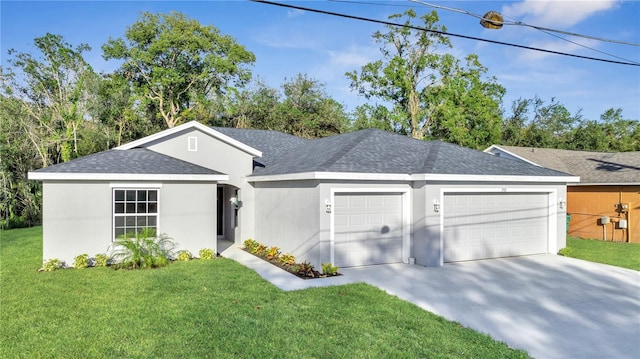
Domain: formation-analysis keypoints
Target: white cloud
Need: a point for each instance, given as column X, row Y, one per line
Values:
column 295, row 13
column 556, row 13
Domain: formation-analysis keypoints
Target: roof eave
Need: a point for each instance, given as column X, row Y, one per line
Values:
column 64, row 176
column 606, row 184
column 353, row 176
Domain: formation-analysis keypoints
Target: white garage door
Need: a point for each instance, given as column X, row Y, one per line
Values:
column 479, row 226
column 367, row 229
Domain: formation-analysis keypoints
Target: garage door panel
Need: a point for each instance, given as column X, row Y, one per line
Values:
column 369, row 230
column 478, row 226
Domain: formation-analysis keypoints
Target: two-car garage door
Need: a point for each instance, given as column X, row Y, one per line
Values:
column 491, row 225
column 367, row 228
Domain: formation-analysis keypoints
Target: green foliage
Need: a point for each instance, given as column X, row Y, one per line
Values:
column 621, row 254
column 101, row 260
column 273, row 253
column 430, row 93
column 302, row 108
column 145, row 250
column 206, row 253
column 250, row 245
column 566, row 251
column 287, row 259
column 260, row 250
column 81, row 261
column 52, row 264
column 176, row 65
column 329, row 269
column 184, row 255
column 152, row 314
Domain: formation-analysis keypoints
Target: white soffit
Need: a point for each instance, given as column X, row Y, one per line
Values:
column 408, row 177
column 125, row 177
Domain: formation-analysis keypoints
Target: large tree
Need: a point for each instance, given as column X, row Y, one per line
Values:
column 307, row 111
column 425, row 86
column 176, row 65
column 54, row 89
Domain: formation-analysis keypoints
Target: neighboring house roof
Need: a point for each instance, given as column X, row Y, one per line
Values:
column 592, row 167
column 377, row 152
column 136, row 163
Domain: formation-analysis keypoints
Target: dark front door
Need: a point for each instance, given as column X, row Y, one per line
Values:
column 220, row 209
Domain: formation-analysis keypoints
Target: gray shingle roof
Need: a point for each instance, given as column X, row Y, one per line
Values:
column 135, row 161
column 374, row 151
column 272, row 144
column 592, row 167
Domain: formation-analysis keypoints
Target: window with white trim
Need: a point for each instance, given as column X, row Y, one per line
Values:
column 134, row 210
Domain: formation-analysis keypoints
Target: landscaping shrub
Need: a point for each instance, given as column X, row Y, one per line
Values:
column 250, row 245
column 287, row 259
column 52, row 264
column 101, row 260
column 566, row 251
column 81, row 261
column 145, row 250
column 329, row 269
column 184, row 255
column 273, row 253
column 206, row 253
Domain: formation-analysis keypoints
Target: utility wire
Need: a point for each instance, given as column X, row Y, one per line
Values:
column 539, row 28
column 353, row 17
column 520, row 23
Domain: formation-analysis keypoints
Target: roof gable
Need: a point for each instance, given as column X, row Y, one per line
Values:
column 187, row 126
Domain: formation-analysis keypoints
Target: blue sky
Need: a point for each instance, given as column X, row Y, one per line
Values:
column 287, row 42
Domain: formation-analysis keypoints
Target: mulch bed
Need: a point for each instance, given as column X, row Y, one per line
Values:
column 311, row 274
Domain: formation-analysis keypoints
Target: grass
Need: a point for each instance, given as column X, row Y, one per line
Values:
column 625, row 255
column 208, row 309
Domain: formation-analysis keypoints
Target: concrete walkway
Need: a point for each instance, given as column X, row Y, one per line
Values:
column 550, row 306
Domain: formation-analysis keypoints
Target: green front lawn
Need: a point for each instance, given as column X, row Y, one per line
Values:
column 208, row 309
column 626, row 255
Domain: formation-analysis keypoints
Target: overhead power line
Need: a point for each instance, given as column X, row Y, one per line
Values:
column 496, row 24
column 520, row 23
column 353, row 17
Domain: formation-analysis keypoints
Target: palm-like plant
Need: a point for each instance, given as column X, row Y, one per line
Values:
column 145, row 250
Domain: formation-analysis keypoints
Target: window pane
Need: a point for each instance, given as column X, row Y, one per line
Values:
column 119, row 208
column 152, row 221
column 130, row 221
column 142, row 208
column 131, row 196
column 131, row 232
column 153, row 195
column 119, row 195
column 119, row 221
column 131, row 208
column 141, row 221
column 119, row 232
column 153, row 208
column 142, row 196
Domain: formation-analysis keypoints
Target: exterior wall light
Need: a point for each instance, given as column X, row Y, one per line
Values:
column 562, row 203
column 436, row 206
column 235, row 202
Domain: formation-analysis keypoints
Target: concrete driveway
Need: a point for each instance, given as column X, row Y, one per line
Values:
column 550, row 306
